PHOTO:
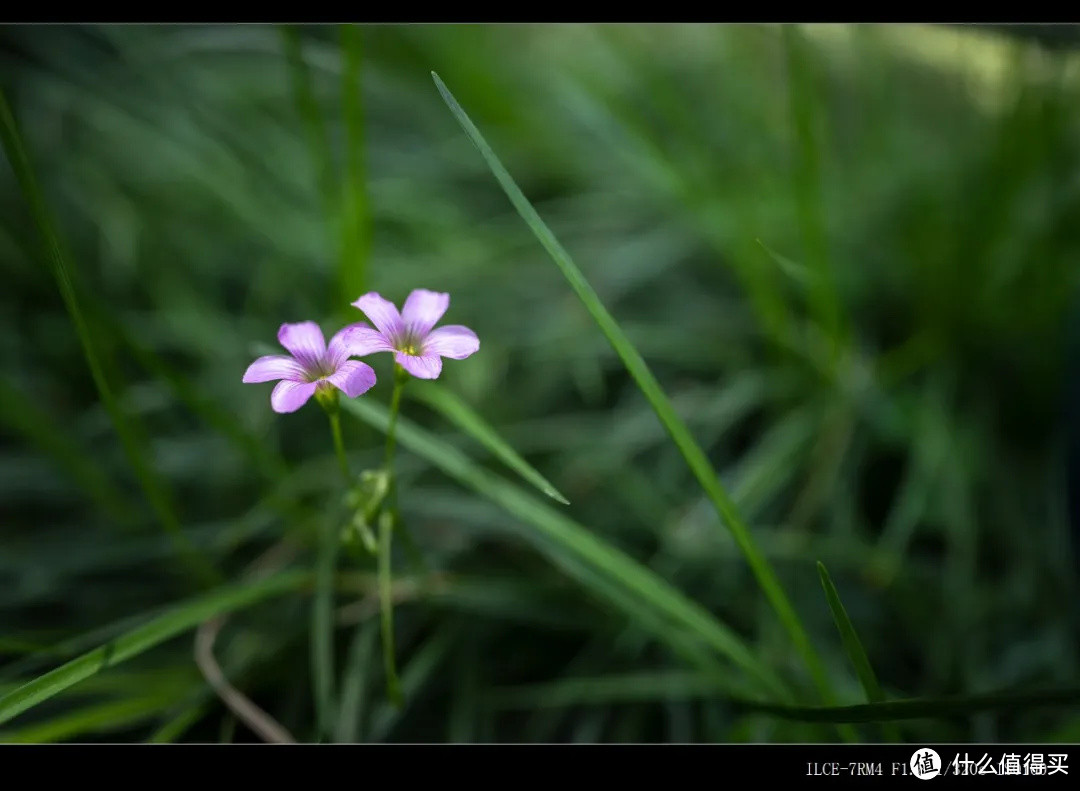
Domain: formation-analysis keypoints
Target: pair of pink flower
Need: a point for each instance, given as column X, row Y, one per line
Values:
column 411, row 335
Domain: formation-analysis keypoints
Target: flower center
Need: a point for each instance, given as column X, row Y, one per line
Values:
column 318, row 371
column 411, row 348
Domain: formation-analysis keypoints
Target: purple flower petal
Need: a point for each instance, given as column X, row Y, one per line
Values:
column 453, row 341
column 305, row 342
column 337, row 351
column 353, row 378
column 289, row 396
column 427, row 367
column 274, row 367
column 382, row 313
column 422, row 311
column 362, row 340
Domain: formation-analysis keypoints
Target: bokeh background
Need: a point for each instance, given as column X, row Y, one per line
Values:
column 848, row 254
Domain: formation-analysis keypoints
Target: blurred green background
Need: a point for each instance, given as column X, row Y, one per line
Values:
column 848, row 253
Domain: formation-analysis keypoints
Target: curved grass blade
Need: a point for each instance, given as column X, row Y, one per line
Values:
column 572, row 538
column 853, row 646
column 176, row 621
column 155, row 489
column 464, row 417
column 693, row 454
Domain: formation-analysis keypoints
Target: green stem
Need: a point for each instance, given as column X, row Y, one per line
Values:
column 400, row 378
column 386, row 605
column 387, row 521
column 339, row 445
column 411, row 549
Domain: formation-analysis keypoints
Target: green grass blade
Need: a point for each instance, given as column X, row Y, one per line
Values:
column 853, row 645
column 355, row 210
column 179, row 724
column 153, row 486
column 652, row 687
column 322, row 625
column 414, row 676
column 693, row 454
column 354, row 683
column 464, row 417
column 111, row 716
column 386, row 609
column 822, row 295
column 176, row 621
column 573, row 539
column 623, row 688
column 799, row 274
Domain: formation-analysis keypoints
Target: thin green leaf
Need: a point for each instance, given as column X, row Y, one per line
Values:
column 693, row 454
column 852, row 645
column 464, row 417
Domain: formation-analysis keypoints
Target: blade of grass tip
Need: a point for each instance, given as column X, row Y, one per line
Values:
column 172, row 623
column 355, row 212
column 154, row 488
column 322, row 624
column 854, row 648
column 693, row 454
column 576, row 541
column 464, row 417
column 799, row 273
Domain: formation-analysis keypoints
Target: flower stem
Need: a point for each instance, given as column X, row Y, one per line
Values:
column 388, row 520
column 415, row 558
column 339, row 445
column 400, row 378
column 386, row 605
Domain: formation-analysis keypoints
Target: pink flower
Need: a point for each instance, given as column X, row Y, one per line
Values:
column 311, row 367
column 417, row 346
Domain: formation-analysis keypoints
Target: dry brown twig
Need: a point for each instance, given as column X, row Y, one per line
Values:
column 261, row 723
